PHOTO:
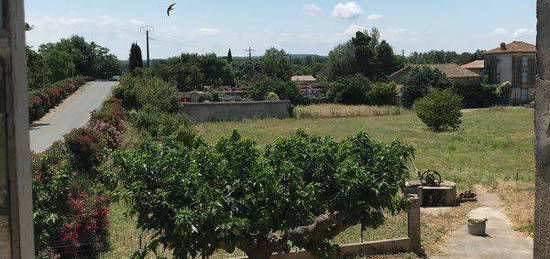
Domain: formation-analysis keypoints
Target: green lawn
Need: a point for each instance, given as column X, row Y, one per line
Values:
column 493, row 147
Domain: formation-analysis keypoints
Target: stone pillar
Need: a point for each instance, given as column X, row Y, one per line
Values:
column 414, row 224
column 542, row 131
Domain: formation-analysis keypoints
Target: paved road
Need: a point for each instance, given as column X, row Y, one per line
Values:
column 502, row 241
column 73, row 113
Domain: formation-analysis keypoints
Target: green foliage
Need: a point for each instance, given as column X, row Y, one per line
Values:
column 286, row 90
column 210, row 97
column 271, row 96
column 418, row 82
column 75, row 56
column 440, row 110
column 136, row 59
column 383, row 94
column 276, row 64
column 41, row 100
column 191, row 71
column 162, row 125
column 59, row 64
column 484, row 95
column 364, row 54
column 229, row 56
column 71, row 195
column 350, row 90
column 199, row 198
column 137, row 92
column 444, row 57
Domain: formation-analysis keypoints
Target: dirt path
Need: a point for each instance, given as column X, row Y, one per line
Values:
column 502, row 242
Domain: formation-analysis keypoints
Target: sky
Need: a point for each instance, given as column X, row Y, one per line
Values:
column 298, row 26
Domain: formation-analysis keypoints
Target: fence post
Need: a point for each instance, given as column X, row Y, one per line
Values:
column 414, row 224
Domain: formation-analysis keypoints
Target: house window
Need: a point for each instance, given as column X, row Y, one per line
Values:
column 524, row 77
column 524, row 95
column 525, row 62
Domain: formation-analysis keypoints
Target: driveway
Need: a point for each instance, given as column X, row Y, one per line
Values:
column 73, row 113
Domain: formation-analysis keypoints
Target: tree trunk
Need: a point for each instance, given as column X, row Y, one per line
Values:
column 542, row 130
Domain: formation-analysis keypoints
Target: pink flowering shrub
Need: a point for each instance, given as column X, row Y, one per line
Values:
column 43, row 99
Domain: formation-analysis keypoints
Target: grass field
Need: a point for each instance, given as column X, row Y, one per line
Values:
column 493, row 148
column 338, row 110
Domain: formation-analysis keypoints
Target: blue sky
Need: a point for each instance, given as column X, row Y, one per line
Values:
column 298, row 26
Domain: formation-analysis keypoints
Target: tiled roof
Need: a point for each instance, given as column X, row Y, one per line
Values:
column 303, row 79
column 450, row 70
column 478, row 64
column 514, row 47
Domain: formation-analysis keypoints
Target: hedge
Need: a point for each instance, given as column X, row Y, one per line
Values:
column 43, row 99
column 71, row 196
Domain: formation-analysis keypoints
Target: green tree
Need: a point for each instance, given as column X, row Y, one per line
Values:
column 285, row 90
column 275, row 64
column 136, row 59
column 365, row 55
column 229, row 56
column 440, row 110
column 419, row 80
column 350, row 90
column 341, row 62
column 386, row 59
column 200, row 198
column 59, row 64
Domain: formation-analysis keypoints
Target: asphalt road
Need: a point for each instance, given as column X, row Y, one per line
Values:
column 73, row 113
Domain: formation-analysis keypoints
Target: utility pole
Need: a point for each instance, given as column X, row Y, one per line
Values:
column 249, row 50
column 147, row 29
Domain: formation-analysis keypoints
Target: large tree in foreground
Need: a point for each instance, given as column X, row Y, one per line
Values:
column 297, row 193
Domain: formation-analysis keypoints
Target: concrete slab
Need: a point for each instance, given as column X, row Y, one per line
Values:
column 502, row 241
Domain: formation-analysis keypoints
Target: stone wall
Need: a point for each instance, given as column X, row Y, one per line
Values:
column 236, row 111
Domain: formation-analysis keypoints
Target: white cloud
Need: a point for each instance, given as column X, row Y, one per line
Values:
column 208, row 32
column 348, row 10
column 374, row 17
column 522, row 33
column 312, row 9
column 499, row 31
column 353, row 29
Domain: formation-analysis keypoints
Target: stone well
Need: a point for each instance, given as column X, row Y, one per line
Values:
column 444, row 195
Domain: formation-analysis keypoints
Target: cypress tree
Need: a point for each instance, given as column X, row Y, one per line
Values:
column 135, row 57
column 229, row 56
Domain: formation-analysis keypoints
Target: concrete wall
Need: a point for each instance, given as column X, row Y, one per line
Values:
column 236, row 111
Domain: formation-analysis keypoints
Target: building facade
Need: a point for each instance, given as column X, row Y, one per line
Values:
column 515, row 63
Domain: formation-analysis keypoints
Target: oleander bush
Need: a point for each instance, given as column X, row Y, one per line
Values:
column 197, row 198
column 71, row 195
column 43, row 99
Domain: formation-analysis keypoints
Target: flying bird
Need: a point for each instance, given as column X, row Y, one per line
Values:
column 170, row 9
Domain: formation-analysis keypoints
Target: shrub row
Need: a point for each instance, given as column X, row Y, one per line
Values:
column 43, row 99
column 71, row 194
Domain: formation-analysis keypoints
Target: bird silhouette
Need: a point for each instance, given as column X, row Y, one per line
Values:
column 170, row 9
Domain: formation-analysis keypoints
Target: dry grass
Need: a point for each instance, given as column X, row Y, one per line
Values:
column 519, row 204
column 337, row 110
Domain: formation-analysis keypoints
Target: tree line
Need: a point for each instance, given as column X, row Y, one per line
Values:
column 53, row 62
